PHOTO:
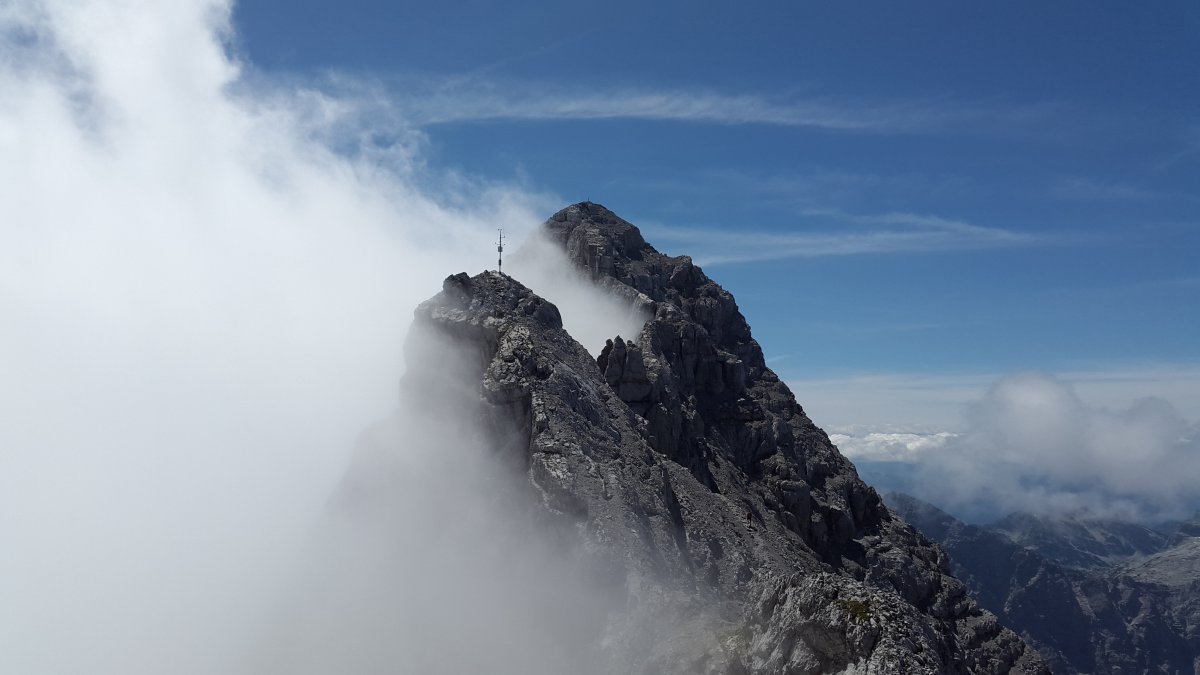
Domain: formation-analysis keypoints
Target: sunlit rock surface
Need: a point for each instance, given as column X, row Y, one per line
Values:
column 727, row 531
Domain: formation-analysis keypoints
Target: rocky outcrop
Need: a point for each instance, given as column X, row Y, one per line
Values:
column 699, row 380
column 733, row 534
column 1082, row 614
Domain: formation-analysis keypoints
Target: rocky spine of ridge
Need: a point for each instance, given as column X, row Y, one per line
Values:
column 1049, row 581
column 699, row 380
column 686, row 467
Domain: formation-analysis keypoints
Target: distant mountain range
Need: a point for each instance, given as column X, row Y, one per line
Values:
column 1093, row 596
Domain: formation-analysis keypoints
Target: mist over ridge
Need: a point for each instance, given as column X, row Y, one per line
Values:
column 205, row 292
column 207, row 276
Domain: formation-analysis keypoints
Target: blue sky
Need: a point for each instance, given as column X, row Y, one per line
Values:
column 965, row 234
column 945, row 188
column 939, row 218
column 913, row 203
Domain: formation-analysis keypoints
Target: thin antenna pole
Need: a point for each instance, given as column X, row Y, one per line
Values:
column 500, row 252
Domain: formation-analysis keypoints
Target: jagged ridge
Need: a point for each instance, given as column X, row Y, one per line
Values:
column 684, row 463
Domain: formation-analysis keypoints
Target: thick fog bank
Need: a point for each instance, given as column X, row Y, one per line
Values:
column 435, row 556
column 205, row 282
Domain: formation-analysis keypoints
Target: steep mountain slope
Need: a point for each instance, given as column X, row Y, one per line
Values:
column 1176, row 570
column 1081, row 542
column 1090, row 618
column 729, row 533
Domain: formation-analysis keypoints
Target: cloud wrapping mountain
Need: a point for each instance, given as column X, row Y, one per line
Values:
column 205, row 279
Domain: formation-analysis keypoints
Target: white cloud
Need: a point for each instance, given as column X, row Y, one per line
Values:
column 205, row 281
column 1091, row 441
column 590, row 317
column 472, row 98
column 883, row 446
column 486, row 103
column 867, row 234
column 1033, row 443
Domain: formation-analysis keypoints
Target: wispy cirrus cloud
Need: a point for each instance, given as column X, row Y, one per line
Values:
column 1080, row 188
column 471, row 98
column 836, row 233
column 673, row 105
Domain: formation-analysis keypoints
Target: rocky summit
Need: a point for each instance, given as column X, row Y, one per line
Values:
column 731, row 534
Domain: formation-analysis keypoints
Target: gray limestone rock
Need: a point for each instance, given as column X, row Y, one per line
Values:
column 731, row 534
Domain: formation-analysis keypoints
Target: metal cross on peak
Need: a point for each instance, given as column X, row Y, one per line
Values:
column 500, row 251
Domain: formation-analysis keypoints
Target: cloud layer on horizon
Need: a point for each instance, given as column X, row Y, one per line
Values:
column 1030, row 443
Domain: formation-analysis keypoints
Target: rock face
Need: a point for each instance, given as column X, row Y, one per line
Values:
column 1081, row 592
column 735, row 536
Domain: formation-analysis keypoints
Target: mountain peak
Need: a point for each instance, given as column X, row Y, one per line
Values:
column 683, row 461
column 596, row 238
